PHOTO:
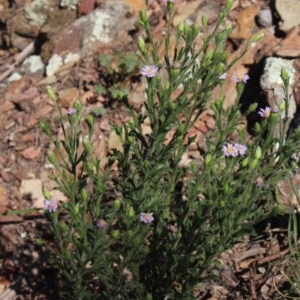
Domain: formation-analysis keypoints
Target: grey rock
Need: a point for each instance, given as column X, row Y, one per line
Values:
column 264, row 18
column 289, row 12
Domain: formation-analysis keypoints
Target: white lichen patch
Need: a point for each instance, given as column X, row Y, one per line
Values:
column 71, row 4
column 54, row 64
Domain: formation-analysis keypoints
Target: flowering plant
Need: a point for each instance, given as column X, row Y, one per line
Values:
column 155, row 229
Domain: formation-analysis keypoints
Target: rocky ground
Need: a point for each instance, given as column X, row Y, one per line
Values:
column 79, row 49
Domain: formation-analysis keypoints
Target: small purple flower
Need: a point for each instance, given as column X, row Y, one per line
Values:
column 146, row 217
column 50, row 205
column 71, row 111
column 230, row 150
column 102, row 224
column 259, row 181
column 241, row 149
column 223, row 76
column 240, row 77
column 149, row 71
column 265, row 112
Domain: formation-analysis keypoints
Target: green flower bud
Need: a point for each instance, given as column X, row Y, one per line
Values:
column 257, row 128
column 51, row 93
column 115, row 234
column 257, row 37
column 180, row 28
column 130, row 213
column 282, row 106
column 76, row 209
column 89, row 167
column 245, row 162
column 45, row 127
column 258, row 153
column 208, row 160
column 284, row 75
column 228, row 6
column 254, row 164
column 181, row 128
column 204, row 21
column 117, row 204
column 252, row 107
column 89, row 121
column 281, row 208
column 142, row 45
column 84, row 194
column 170, row 7
column 143, row 17
column 78, row 106
column 52, row 158
column 87, row 146
column 72, row 119
column 46, row 193
column 63, row 227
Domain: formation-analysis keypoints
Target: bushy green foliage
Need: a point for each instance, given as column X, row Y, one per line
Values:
column 154, row 229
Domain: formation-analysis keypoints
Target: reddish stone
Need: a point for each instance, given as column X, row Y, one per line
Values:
column 86, row 6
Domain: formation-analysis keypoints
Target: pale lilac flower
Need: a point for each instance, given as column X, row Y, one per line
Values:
column 259, row 181
column 230, row 150
column 50, row 205
column 223, row 76
column 71, row 111
column 265, row 112
column 241, row 149
column 102, row 224
column 149, row 71
column 146, row 217
column 240, row 77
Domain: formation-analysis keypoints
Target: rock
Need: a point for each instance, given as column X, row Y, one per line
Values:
column 67, row 97
column 271, row 81
column 33, row 64
column 15, row 76
column 37, row 11
column 290, row 45
column 246, row 26
column 264, row 18
column 289, row 12
column 32, row 187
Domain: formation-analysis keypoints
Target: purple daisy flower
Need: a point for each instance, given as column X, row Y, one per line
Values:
column 146, row 218
column 241, row 149
column 71, row 111
column 223, row 76
column 50, row 205
column 149, row 71
column 102, row 224
column 265, row 112
column 230, row 150
column 240, row 77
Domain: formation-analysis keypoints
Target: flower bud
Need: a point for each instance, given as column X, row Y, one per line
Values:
column 258, row 153
column 245, row 162
column 84, row 194
column 89, row 167
column 208, row 160
column 78, row 105
column 116, row 234
column 228, row 6
column 51, row 93
column 252, row 107
column 253, row 164
column 130, row 213
column 45, row 127
column 46, row 193
column 204, row 21
column 87, row 146
column 141, row 45
column 52, row 158
column 257, row 128
column 143, row 17
column 284, row 75
column 89, row 121
column 117, row 204
column 181, row 28
column 282, row 106
column 257, row 37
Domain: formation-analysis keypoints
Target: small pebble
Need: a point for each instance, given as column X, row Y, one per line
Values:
column 264, row 18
